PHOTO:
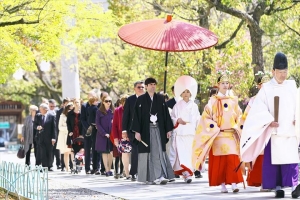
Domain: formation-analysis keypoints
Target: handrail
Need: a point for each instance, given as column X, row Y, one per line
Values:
column 28, row 181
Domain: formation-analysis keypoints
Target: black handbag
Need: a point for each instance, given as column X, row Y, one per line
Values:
column 21, row 152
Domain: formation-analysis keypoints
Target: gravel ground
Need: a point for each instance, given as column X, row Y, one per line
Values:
column 3, row 195
column 64, row 191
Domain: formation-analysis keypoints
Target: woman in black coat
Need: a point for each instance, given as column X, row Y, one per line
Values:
column 73, row 123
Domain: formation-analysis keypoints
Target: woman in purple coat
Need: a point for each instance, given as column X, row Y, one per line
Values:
column 104, row 118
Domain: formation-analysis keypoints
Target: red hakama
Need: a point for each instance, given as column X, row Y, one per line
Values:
column 221, row 169
column 254, row 177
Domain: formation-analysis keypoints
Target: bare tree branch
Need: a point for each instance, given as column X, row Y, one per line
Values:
column 33, row 8
column 17, row 22
column 237, row 13
column 223, row 45
column 277, row 34
column 283, row 9
column 16, row 8
column 43, row 8
column 18, row 93
column 22, row 20
column 41, row 77
column 189, row 19
column 290, row 28
column 158, row 7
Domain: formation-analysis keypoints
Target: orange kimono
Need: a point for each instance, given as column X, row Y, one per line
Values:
column 218, row 136
column 254, row 176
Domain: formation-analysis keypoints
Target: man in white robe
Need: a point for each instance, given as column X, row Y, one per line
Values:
column 279, row 140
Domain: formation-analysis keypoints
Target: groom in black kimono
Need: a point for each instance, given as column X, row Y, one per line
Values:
column 152, row 125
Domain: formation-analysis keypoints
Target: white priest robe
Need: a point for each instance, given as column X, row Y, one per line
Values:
column 256, row 131
column 183, row 136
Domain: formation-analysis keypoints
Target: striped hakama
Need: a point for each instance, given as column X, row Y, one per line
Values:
column 155, row 164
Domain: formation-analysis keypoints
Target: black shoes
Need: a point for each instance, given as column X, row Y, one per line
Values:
column 117, row 176
column 133, row 177
column 58, row 167
column 50, row 170
column 296, row 192
column 279, row 194
column 97, row 173
column 171, row 180
column 109, row 173
column 198, row 174
column 62, row 169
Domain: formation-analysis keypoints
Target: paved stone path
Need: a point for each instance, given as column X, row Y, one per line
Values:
column 63, row 185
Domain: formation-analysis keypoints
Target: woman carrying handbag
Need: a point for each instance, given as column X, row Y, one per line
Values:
column 27, row 135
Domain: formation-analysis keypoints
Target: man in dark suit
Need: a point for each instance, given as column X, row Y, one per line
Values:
column 55, row 152
column 126, row 125
column 171, row 103
column 45, row 125
column 89, row 141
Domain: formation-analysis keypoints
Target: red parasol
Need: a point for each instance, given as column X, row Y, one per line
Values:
column 167, row 35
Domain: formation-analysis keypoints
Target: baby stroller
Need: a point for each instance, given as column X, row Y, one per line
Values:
column 78, row 143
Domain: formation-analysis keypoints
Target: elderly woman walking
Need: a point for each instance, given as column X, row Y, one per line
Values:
column 27, row 132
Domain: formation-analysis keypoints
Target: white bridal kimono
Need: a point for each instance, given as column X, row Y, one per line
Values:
column 183, row 135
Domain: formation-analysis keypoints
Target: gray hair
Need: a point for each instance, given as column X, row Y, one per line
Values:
column 92, row 93
column 52, row 101
column 33, row 107
column 137, row 83
column 44, row 106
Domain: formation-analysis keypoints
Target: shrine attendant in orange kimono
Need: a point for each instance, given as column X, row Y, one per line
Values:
column 254, row 176
column 218, row 136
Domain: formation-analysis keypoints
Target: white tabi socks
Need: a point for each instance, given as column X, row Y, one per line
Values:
column 234, row 187
column 278, row 188
column 223, row 188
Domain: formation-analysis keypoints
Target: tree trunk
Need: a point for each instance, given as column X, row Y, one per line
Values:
column 203, row 93
column 257, row 56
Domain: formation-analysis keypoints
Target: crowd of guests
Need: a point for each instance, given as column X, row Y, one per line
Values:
column 41, row 128
column 52, row 130
column 149, row 135
column 106, row 127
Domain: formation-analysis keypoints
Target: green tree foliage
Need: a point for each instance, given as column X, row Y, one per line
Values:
column 33, row 31
column 250, row 33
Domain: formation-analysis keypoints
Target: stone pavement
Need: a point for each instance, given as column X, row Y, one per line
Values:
column 126, row 189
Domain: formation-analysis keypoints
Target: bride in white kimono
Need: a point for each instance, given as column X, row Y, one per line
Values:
column 185, row 116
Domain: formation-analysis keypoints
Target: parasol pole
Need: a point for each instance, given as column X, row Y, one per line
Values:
column 166, row 71
column 169, row 18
